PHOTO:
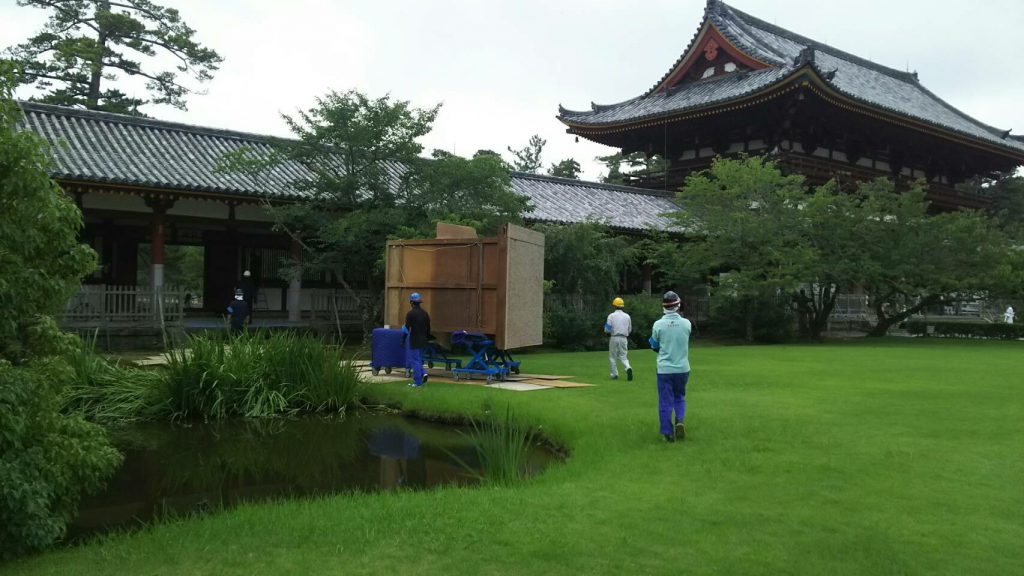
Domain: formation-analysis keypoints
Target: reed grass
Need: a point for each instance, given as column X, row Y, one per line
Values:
column 251, row 375
column 259, row 374
column 502, row 445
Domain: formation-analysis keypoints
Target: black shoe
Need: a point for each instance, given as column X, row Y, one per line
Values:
column 629, row 374
column 669, row 438
column 425, row 378
column 680, row 431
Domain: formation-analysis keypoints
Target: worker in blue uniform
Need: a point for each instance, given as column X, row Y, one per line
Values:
column 239, row 313
column 670, row 338
column 417, row 332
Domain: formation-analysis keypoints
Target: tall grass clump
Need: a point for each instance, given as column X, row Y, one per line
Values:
column 105, row 391
column 258, row 374
column 502, row 445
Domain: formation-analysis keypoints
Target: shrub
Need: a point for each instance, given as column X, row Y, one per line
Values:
column 47, row 460
column 964, row 329
column 571, row 329
column 643, row 311
column 764, row 319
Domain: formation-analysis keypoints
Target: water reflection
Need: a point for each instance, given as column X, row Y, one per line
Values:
column 174, row 469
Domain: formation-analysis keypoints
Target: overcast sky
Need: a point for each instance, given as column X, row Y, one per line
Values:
column 501, row 67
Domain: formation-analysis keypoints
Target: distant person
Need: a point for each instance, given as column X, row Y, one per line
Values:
column 1008, row 315
column 670, row 338
column 238, row 312
column 618, row 326
column 248, row 287
column 417, row 331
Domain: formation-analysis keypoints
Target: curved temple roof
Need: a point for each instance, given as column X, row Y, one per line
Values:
column 787, row 55
column 103, row 148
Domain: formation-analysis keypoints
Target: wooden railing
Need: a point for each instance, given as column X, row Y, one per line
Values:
column 106, row 305
column 336, row 305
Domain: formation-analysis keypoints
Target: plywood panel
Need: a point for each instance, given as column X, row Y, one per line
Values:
column 463, row 283
column 524, row 298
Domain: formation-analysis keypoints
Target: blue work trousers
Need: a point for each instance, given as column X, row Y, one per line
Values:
column 414, row 362
column 671, row 396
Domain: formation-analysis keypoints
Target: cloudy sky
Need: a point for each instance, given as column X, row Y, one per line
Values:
column 502, row 67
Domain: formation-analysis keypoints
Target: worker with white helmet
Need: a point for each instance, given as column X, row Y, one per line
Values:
column 670, row 338
column 618, row 326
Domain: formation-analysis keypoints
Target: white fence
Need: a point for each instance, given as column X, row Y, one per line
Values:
column 106, row 305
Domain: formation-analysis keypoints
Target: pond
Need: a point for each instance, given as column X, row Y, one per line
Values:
column 180, row 469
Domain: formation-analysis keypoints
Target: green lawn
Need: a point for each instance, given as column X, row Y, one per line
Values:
column 893, row 457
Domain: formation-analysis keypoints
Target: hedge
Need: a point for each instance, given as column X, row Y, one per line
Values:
column 965, row 329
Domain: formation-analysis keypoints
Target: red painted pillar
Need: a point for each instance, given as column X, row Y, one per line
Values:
column 158, row 233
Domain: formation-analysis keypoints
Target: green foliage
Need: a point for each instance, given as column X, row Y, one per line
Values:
column 255, row 375
column 584, row 258
column 757, row 318
column 964, row 329
column 503, row 445
column 108, row 392
column 571, row 328
column 528, row 158
column 643, row 312
column 911, row 259
column 85, row 43
column 568, row 168
column 47, row 460
column 625, row 168
column 473, row 192
column 770, row 233
column 41, row 259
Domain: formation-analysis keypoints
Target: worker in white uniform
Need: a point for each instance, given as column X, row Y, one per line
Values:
column 618, row 326
column 1008, row 315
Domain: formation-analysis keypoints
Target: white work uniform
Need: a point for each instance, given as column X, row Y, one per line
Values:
column 1008, row 316
column 618, row 344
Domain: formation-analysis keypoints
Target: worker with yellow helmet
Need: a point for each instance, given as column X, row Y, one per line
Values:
column 618, row 326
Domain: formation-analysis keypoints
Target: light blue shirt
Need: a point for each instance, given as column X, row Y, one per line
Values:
column 672, row 336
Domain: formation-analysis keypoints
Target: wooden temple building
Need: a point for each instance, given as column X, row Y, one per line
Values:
column 145, row 186
column 746, row 86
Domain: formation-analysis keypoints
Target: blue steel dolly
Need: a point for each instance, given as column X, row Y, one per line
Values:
column 434, row 354
column 487, row 361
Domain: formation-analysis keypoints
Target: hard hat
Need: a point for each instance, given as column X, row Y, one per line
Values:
column 246, row 273
column 239, row 294
column 415, row 297
column 670, row 299
column 618, row 303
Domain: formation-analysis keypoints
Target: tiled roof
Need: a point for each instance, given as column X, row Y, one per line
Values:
column 105, row 148
column 859, row 79
column 561, row 200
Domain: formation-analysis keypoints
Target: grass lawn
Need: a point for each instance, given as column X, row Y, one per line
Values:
column 891, row 457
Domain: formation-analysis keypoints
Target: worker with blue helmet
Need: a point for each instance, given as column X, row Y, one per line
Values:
column 417, row 331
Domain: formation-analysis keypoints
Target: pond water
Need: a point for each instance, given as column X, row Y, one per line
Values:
column 181, row 469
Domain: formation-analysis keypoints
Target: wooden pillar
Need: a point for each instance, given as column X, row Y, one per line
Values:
column 647, row 279
column 295, row 286
column 158, row 236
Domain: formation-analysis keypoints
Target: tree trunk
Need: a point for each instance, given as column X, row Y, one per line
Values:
column 92, row 101
column 826, row 302
column 884, row 323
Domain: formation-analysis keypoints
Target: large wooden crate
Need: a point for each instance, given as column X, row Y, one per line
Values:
column 489, row 285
